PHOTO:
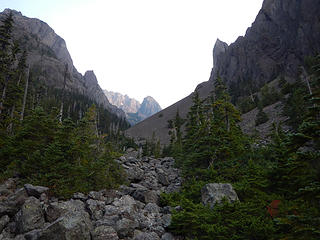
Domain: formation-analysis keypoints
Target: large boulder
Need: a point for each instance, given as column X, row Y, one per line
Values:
column 125, row 227
column 10, row 205
column 30, row 216
column 214, row 193
column 72, row 226
column 35, row 191
column 127, row 205
column 95, row 208
column 56, row 210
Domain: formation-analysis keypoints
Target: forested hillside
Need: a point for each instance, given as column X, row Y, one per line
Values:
column 278, row 181
column 49, row 136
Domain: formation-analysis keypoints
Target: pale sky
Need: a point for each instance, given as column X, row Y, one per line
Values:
column 158, row 48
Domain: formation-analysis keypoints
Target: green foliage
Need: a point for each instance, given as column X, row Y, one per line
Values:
column 212, row 134
column 262, row 117
column 246, row 104
column 66, row 157
column 152, row 147
column 269, row 95
column 286, row 169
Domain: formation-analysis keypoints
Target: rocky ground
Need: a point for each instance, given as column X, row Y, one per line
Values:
column 131, row 212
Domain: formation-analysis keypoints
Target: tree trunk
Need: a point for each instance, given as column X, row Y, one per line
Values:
column 4, row 93
column 306, row 78
column 25, row 95
column 63, row 91
column 13, row 107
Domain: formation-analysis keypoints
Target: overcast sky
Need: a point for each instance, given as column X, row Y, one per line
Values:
column 161, row 48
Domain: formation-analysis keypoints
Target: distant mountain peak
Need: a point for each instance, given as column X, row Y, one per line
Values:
column 149, row 106
column 135, row 111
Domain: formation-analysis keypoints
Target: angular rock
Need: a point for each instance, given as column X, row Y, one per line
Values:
column 152, row 208
column 30, row 216
column 151, row 197
column 125, row 227
column 58, row 209
column 72, row 226
column 134, row 174
column 95, row 208
column 33, row 235
column 146, row 236
column 110, row 210
column 103, row 233
column 167, row 236
column 79, row 196
column 163, row 178
column 35, row 191
column 166, row 220
column 10, row 206
column 127, row 205
column 213, row 193
column 110, row 221
column 4, row 220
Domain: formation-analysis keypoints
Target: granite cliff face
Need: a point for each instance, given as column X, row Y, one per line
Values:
column 127, row 104
column 48, row 57
column 135, row 112
column 149, row 107
column 282, row 35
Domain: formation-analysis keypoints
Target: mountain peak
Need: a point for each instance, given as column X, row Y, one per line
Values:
column 149, row 106
column 135, row 111
column 219, row 47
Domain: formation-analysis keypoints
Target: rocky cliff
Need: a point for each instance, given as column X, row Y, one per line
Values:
column 48, row 58
column 282, row 35
column 135, row 111
column 149, row 107
column 127, row 104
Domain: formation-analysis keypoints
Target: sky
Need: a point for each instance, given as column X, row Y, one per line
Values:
column 158, row 48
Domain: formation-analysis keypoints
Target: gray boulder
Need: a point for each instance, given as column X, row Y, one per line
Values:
column 4, row 220
column 11, row 204
column 30, row 216
column 95, row 208
column 72, row 226
column 126, row 205
column 167, row 236
column 56, row 210
column 103, row 233
column 125, row 227
column 146, row 236
column 214, row 193
column 35, row 191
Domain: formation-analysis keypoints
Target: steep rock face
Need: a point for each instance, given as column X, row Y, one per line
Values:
column 94, row 91
column 282, row 35
column 149, row 107
column 127, row 104
column 219, row 48
column 48, row 57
